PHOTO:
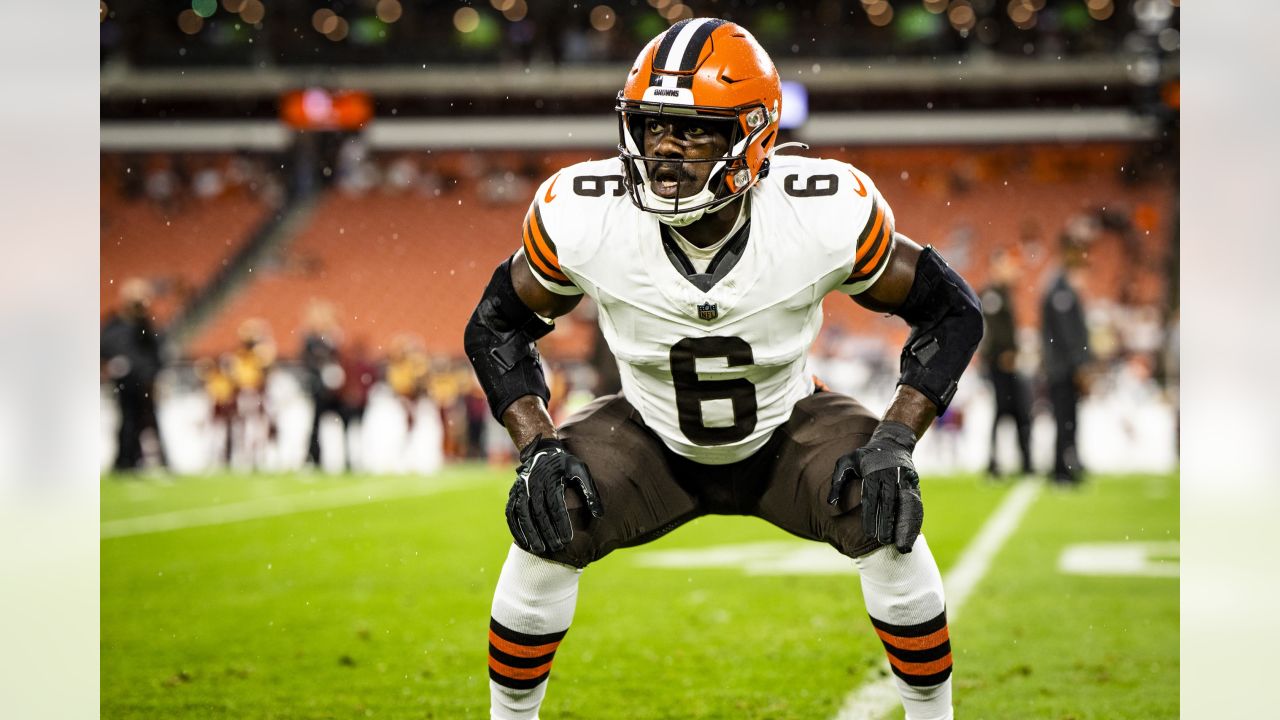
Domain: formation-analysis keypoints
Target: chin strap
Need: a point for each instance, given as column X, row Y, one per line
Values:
column 786, row 145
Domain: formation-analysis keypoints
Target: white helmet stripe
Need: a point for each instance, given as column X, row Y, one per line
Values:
column 682, row 42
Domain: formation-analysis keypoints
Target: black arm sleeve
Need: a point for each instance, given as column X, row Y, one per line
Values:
column 499, row 340
column 946, row 327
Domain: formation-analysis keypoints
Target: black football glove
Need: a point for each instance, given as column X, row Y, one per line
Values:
column 536, row 511
column 892, row 511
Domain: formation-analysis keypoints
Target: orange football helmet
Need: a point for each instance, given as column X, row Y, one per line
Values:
column 710, row 69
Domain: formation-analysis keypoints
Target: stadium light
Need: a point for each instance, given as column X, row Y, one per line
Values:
column 516, row 11
column 189, row 22
column 253, row 12
column 602, row 18
column 204, row 8
column 324, row 21
column 795, row 105
column 388, row 11
column 466, row 20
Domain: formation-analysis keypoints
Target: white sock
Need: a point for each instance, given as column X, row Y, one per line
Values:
column 904, row 598
column 532, row 608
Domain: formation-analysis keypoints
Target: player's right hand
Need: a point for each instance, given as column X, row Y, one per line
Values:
column 536, row 511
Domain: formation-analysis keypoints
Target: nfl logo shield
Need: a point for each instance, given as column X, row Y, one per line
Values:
column 708, row 311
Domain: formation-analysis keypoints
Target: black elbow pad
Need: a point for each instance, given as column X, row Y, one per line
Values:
column 499, row 340
column 946, row 327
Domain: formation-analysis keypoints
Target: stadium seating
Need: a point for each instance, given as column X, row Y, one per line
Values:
column 409, row 260
column 179, row 245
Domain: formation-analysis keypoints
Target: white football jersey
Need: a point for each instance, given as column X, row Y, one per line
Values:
column 713, row 372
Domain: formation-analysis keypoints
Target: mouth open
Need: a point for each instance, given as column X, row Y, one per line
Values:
column 666, row 181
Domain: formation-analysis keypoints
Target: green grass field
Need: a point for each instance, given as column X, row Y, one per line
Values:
column 318, row 597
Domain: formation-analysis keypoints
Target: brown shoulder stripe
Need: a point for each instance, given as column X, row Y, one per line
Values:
column 540, row 250
column 874, row 242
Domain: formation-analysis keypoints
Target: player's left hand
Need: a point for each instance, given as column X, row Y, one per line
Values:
column 892, row 510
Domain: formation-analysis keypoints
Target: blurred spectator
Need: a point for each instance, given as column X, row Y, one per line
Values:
column 358, row 375
column 130, row 352
column 220, row 388
column 407, row 375
column 250, row 365
column 322, row 372
column 1000, row 359
column 1066, row 351
column 477, row 408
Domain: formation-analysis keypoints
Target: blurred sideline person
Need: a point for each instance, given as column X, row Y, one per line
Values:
column 359, row 373
column 709, row 257
column 407, row 375
column 220, row 388
column 249, row 366
column 130, row 350
column 1066, row 353
column 323, row 374
column 1000, row 359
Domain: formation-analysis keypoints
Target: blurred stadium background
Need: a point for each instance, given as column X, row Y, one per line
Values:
column 372, row 160
column 304, row 200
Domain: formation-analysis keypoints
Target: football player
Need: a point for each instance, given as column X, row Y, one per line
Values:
column 709, row 256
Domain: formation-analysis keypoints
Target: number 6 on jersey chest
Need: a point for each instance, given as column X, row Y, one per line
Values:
column 692, row 391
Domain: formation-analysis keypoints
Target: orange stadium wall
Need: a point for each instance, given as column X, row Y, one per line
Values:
column 415, row 260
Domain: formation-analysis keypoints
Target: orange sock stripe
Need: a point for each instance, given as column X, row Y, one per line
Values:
column 926, row 668
column 925, row 642
column 519, row 673
column 517, row 650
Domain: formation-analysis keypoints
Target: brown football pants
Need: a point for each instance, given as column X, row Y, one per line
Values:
column 648, row 491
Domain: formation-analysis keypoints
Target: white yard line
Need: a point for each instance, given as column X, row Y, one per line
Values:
column 876, row 698
column 274, row 506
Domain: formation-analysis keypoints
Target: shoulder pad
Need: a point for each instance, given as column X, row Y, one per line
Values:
column 875, row 237
column 564, row 206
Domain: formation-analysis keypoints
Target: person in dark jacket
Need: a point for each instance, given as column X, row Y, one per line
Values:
column 323, row 371
column 1066, row 355
column 130, row 350
column 1000, row 359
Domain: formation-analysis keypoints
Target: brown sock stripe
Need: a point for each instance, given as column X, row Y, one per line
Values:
column 520, row 660
column 928, row 627
column 919, row 654
column 515, row 684
column 518, row 673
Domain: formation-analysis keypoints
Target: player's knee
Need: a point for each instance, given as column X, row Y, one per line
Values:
column 904, row 581
column 528, row 580
column 576, row 554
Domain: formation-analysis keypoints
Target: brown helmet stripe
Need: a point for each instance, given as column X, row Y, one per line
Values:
column 693, row 33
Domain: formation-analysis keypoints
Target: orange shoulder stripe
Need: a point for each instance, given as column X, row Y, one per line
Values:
column 535, row 258
column 871, row 236
column 544, row 244
column 882, row 247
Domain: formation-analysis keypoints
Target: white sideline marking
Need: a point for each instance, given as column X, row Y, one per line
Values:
column 272, row 507
column 872, row 700
column 1137, row 559
column 758, row 558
